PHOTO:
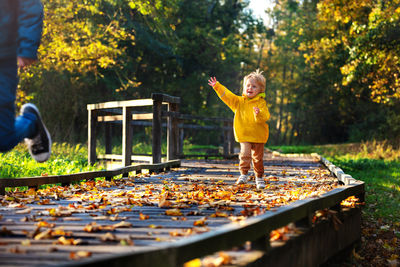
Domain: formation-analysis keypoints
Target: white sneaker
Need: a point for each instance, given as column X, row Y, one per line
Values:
column 260, row 183
column 40, row 145
column 242, row 179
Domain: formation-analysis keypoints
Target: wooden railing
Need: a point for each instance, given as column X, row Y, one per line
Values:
column 124, row 111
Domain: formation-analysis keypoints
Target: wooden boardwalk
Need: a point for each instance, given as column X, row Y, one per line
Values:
column 160, row 219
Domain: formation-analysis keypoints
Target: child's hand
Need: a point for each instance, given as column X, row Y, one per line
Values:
column 212, row 81
column 256, row 110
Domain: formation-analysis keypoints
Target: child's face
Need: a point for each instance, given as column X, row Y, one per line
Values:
column 251, row 88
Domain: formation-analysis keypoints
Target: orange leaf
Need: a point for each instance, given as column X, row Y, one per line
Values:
column 79, row 254
column 143, row 217
column 200, row 222
column 274, row 235
column 173, row 212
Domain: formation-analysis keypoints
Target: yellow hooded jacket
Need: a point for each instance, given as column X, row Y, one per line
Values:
column 247, row 126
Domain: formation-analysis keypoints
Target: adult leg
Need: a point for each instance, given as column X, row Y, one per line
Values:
column 12, row 130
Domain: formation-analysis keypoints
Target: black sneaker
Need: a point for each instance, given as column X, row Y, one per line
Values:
column 40, row 145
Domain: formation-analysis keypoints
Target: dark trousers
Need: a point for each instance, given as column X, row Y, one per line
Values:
column 12, row 129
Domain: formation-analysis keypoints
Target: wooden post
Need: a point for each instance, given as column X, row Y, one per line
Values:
column 156, row 131
column 181, row 139
column 108, row 137
column 225, row 138
column 172, row 132
column 231, row 139
column 126, row 136
column 92, row 124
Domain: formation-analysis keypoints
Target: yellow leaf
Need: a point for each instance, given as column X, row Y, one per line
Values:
column 193, row 263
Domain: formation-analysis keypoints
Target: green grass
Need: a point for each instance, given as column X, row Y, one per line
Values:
column 65, row 159
column 375, row 163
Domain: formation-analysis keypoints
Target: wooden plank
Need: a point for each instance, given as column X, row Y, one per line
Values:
column 108, row 118
column 165, row 98
column 203, row 118
column 120, row 157
column 120, row 104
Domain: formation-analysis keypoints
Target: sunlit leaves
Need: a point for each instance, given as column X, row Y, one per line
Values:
column 83, row 36
column 367, row 29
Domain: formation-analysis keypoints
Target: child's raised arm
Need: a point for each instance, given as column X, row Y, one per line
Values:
column 212, row 81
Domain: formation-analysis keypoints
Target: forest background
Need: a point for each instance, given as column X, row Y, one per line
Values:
column 332, row 66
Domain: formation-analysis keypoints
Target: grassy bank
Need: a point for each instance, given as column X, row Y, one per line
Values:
column 375, row 163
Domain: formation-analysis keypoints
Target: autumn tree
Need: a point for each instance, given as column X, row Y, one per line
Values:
column 104, row 50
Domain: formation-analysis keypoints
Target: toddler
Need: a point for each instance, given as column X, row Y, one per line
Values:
column 249, row 124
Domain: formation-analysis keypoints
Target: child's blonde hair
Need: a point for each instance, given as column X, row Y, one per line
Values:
column 258, row 77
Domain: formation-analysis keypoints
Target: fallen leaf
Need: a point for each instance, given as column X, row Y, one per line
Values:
column 26, row 242
column 200, row 222
column 44, row 235
column 122, row 224
column 164, row 203
column 68, row 242
column 143, row 217
column 126, row 242
column 219, row 214
column 173, row 212
column 92, row 228
column 108, row 237
column 193, row 263
column 356, row 255
column 16, row 250
column 79, row 255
